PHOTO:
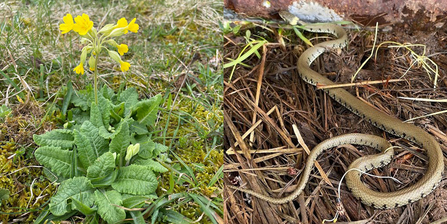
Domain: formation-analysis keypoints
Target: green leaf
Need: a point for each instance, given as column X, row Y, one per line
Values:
column 137, row 217
column 100, row 145
column 83, row 98
column 118, row 112
column 56, row 159
column 4, row 195
column 105, row 134
column 138, row 128
column 146, row 149
column 175, row 217
column 104, row 106
column 151, row 164
column 205, row 204
column 85, row 150
column 67, row 97
column 78, row 115
column 78, row 188
column 159, row 148
column 107, row 208
column 103, row 166
column 4, row 111
column 130, row 98
column 59, row 138
column 95, row 115
column 105, row 181
column 136, row 179
column 217, row 176
column 246, row 54
column 135, row 201
column 83, row 208
column 121, row 140
column 108, row 93
column 146, row 110
column 150, row 149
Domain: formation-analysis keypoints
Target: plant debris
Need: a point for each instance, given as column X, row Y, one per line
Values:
column 260, row 112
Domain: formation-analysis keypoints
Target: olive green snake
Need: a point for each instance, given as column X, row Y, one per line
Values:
column 382, row 200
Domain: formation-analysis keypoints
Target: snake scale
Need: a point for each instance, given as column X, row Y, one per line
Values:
column 381, row 200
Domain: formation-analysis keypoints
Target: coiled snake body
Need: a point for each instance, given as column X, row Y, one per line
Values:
column 382, row 200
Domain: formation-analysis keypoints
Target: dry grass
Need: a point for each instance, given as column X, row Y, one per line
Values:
column 278, row 159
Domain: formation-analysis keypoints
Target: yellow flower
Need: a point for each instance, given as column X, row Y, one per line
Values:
column 67, row 25
column 80, row 69
column 121, row 23
column 83, row 24
column 124, row 66
column 133, row 27
column 122, row 48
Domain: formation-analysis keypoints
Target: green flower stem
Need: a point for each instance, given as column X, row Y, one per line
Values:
column 95, row 74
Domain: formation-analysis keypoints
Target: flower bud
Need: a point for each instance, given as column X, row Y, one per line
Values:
column 112, row 43
column 117, row 32
column 107, row 29
column 84, row 53
column 132, row 150
column 91, row 63
column 115, row 56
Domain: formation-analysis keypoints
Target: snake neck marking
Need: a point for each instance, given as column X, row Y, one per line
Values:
column 381, row 200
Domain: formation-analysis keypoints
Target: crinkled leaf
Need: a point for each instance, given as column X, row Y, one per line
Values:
column 159, row 148
column 146, row 110
column 108, row 93
column 150, row 149
column 130, row 98
column 103, row 166
column 147, row 149
column 100, row 145
column 95, row 116
column 96, row 119
column 79, row 116
column 117, row 111
column 136, row 179
column 58, row 137
column 151, row 164
column 78, row 188
column 83, row 98
column 107, row 208
column 104, row 106
column 106, row 134
column 121, row 140
column 56, row 159
column 140, row 129
column 85, row 150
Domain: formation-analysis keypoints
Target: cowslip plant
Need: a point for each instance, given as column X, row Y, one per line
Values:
column 104, row 157
column 97, row 42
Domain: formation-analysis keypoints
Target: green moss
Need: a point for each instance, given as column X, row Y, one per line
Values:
column 28, row 190
column 191, row 143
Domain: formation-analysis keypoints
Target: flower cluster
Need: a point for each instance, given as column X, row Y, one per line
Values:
column 95, row 44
